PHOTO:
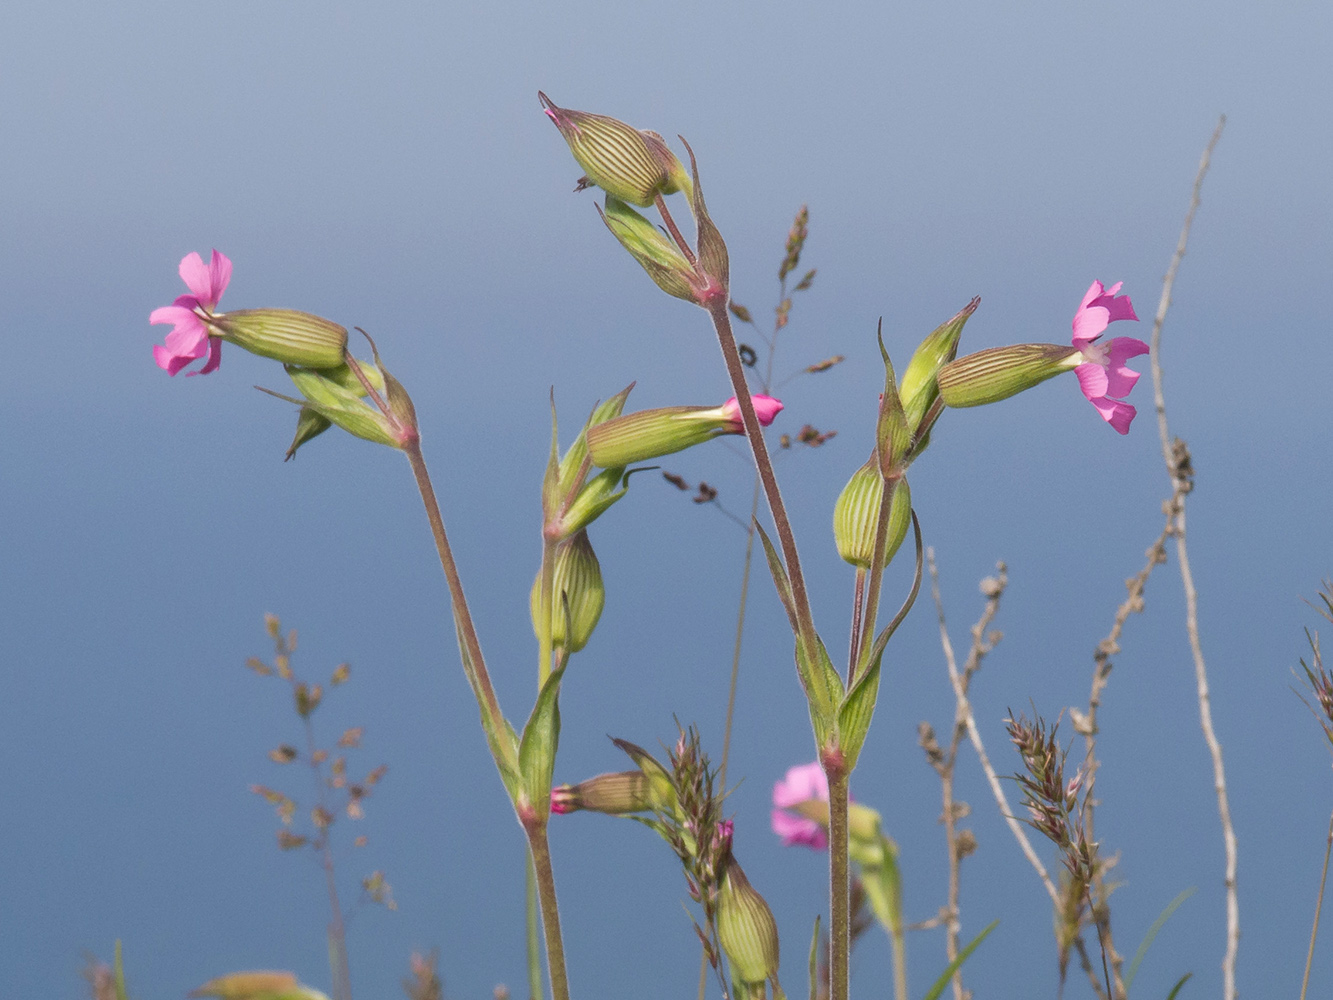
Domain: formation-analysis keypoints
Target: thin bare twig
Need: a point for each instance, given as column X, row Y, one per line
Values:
column 1176, row 457
column 1318, row 906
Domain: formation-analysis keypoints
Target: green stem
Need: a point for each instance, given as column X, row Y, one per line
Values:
column 545, row 609
column 555, row 945
column 534, row 940
column 1319, row 905
column 899, row 942
column 839, row 906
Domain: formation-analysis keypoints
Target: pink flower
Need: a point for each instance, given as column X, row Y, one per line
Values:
column 766, row 408
column 189, row 338
column 1103, row 377
column 803, row 783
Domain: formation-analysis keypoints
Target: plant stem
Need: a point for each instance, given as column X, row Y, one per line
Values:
column 740, row 632
column 467, row 631
column 534, row 940
column 555, row 945
column 1176, row 470
column 545, row 611
column 839, row 907
column 898, row 941
column 858, row 601
column 1318, row 906
column 754, row 433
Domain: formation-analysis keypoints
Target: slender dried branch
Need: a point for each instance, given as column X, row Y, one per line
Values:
column 1318, row 906
column 1176, row 457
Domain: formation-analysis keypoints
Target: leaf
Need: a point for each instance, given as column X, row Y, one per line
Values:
column 814, row 962
column 118, row 971
column 934, row 992
column 823, row 690
column 1157, row 925
column 858, row 708
column 541, row 737
column 780, row 578
column 1179, row 983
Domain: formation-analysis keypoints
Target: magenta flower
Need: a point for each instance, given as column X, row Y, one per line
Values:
column 1102, row 376
column 766, row 408
column 803, row 783
column 189, row 338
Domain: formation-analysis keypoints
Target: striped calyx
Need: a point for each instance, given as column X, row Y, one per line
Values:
column 288, row 335
column 856, row 514
column 746, row 928
column 1000, row 372
column 577, row 584
column 615, row 794
column 632, row 165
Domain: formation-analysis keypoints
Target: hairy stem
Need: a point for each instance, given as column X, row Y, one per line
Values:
column 555, row 945
column 533, row 935
column 754, row 433
column 839, row 887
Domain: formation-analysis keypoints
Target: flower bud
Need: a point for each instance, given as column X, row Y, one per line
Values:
column 614, row 794
column 637, row 437
column 577, row 581
column 1000, row 372
column 856, row 514
column 746, row 928
column 918, row 388
column 656, row 254
column 626, row 163
column 290, row 336
column 327, row 395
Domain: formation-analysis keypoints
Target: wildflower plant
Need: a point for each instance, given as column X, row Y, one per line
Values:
column 683, row 798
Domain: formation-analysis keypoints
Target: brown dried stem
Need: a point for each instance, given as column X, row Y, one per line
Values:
column 1318, row 906
column 1176, row 457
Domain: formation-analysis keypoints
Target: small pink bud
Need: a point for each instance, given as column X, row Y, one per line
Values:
column 766, row 408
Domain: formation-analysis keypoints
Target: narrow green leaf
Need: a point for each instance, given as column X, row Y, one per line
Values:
column 541, row 737
column 814, row 962
column 934, row 992
column 858, row 708
column 780, row 578
column 823, row 690
column 118, row 971
column 1179, row 983
column 1157, row 925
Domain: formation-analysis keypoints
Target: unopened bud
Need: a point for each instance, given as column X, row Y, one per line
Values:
column 656, row 254
column 576, row 584
column 918, row 388
column 1000, row 372
column 746, row 928
column 856, row 514
column 290, row 336
column 629, row 164
column 637, row 437
column 328, row 395
column 615, row 794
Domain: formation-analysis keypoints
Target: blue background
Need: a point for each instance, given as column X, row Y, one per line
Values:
column 388, row 166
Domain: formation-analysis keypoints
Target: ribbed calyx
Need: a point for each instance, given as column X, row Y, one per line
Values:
column 746, row 928
column 1000, row 372
column 577, row 584
column 288, row 335
column 856, row 514
column 629, row 164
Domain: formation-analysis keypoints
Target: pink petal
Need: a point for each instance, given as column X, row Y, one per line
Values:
column 1090, row 322
column 798, row 830
column 1095, row 291
column 195, row 275
column 176, row 315
column 214, row 357
column 802, row 783
column 1119, row 382
column 168, row 362
column 1121, row 349
column 1093, row 380
column 219, row 276
column 766, row 408
column 1119, row 415
column 1121, row 308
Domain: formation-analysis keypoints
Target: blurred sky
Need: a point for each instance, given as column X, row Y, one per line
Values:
column 388, row 166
